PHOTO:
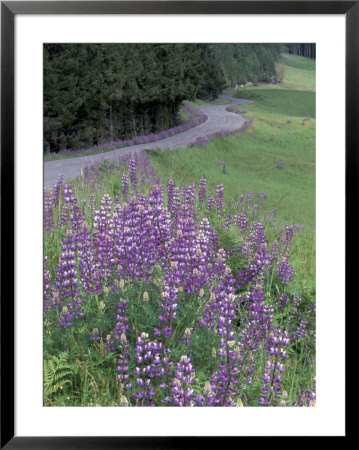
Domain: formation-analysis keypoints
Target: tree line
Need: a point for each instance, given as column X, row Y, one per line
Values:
column 95, row 93
column 242, row 63
column 307, row 50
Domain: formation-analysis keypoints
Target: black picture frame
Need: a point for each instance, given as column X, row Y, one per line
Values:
column 9, row 9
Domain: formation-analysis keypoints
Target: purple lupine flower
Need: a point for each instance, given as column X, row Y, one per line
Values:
column 257, row 234
column 104, row 238
column 188, row 195
column 220, row 200
column 133, row 173
column 255, row 268
column 48, row 213
column 122, row 320
column 153, row 363
column 307, row 397
column 210, row 204
column 125, row 189
column 241, row 222
column 253, row 334
column 228, row 221
column 182, row 393
column 272, row 379
column 170, row 193
column 56, row 191
column 66, row 282
column 87, row 260
column 262, row 196
column 301, row 332
column 275, row 252
column 47, row 297
column 123, row 361
column 285, row 271
column 225, row 379
column 202, row 191
column 289, row 235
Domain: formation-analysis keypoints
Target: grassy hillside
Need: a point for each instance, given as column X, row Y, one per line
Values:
column 281, row 101
column 299, row 72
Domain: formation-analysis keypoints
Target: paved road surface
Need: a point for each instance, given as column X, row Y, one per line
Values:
column 218, row 119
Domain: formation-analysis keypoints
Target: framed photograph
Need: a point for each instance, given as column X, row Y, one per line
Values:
column 177, row 180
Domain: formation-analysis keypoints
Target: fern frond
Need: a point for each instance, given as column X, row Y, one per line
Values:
column 57, row 374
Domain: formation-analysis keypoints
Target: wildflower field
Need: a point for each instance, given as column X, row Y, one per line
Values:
column 160, row 295
column 187, row 278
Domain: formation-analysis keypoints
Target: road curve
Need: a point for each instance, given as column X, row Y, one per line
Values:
column 218, row 119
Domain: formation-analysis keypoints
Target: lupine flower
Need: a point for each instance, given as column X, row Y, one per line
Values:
column 48, row 213
column 133, row 173
column 285, row 271
column 202, row 191
column 210, row 203
column 307, row 397
column 47, row 288
column 272, row 378
column 56, row 190
column 220, row 199
column 301, row 332
column 66, row 282
column 182, row 393
column 170, row 194
column 124, row 183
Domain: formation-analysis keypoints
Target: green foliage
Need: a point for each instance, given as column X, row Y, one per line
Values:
column 57, row 374
column 306, row 50
column 242, row 63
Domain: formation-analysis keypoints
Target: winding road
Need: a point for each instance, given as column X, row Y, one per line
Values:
column 218, row 119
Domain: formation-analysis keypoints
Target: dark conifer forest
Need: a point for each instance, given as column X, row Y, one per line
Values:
column 307, row 50
column 95, row 93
